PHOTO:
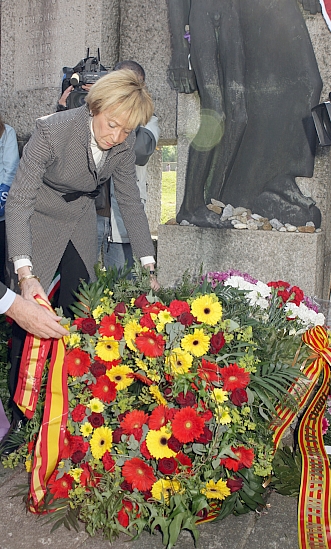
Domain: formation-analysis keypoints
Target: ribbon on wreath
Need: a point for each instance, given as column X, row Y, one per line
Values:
column 51, row 435
column 314, row 519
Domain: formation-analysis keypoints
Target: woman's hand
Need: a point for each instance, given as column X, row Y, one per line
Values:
column 153, row 280
column 30, row 285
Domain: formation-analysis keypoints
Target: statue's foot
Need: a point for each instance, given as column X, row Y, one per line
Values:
column 202, row 217
column 282, row 199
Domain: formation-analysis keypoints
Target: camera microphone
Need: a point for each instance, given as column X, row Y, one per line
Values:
column 74, row 80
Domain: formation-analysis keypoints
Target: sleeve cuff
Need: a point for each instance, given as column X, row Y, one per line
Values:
column 146, row 260
column 6, row 301
column 24, row 262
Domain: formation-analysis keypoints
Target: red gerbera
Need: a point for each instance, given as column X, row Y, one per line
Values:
column 245, row 459
column 159, row 417
column 184, row 461
column 187, row 425
column 177, row 307
column 146, row 321
column 145, row 451
column 60, row 487
column 133, row 422
column 151, row 344
column 108, row 462
column 110, row 327
column 154, row 308
column 78, row 413
column 141, row 378
column 89, row 477
column 77, row 362
column 139, row 474
column 108, row 363
column 104, row 389
column 209, row 371
column 234, row 377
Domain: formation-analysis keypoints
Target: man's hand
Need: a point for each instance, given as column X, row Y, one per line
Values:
column 313, row 6
column 35, row 319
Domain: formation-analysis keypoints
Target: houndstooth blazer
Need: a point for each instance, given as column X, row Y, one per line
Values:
column 58, row 160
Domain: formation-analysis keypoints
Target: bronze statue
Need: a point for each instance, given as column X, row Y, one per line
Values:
column 254, row 67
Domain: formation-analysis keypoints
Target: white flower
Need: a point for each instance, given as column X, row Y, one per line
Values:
column 308, row 316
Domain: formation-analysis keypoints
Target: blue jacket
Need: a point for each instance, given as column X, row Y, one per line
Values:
column 9, row 157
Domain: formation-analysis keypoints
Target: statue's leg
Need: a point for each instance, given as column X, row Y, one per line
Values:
column 217, row 58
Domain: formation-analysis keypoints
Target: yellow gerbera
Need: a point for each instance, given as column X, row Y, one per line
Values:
column 107, row 349
column 157, row 443
column 162, row 489
column 219, row 396
column 155, row 391
column 86, row 429
column 179, row 361
column 197, row 343
column 101, row 441
column 131, row 330
column 96, row 405
column 216, row 490
column 207, row 309
column 119, row 375
column 222, row 415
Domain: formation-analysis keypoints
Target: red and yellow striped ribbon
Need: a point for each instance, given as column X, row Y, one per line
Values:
column 52, row 431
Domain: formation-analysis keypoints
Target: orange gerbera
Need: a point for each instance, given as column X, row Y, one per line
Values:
column 77, row 362
column 245, row 459
column 138, row 474
column 209, row 371
column 151, row 344
column 133, row 422
column 104, row 389
column 187, row 425
column 110, row 327
column 234, row 377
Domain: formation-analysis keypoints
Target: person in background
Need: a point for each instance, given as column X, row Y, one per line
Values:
column 9, row 159
column 113, row 240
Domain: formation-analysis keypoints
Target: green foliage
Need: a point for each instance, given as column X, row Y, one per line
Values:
column 287, row 465
column 169, row 153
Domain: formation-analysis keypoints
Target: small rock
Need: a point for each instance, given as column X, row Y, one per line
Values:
column 266, row 226
column 239, row 211
column 227, row 212
column 276, row 224
column 282, row 230
column 240, row 226
column 171, row 221
column 252, row 225
column 306, row 229
column 319, row 230
column 184, row 223
column 310, row 224
column 290, row 228
column 214, row 208
column 258, row 217
column 217, row 203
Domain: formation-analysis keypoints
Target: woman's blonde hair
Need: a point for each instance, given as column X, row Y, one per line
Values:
column 122, row 91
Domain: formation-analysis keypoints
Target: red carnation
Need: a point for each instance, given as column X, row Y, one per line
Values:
column 98, row 369
column 151, row 344
column 239, row 396
column 139, row 474
column 245, row 459
column 104, row 389
column 167, row 466
column 89, row 326
column 78, row 322
column 141, row 301
column 96, row 419
column 186, row 400
column 278, row 284
column 110, row 327
column 298, row 295
column 177, row 307
column 217, row 341
column 108, row 462
column 187, row 425
column 234, row 377
column 78, row 413
column 234, row 484
column 77, row 362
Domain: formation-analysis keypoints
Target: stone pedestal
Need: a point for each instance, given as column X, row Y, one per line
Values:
column 266, row 255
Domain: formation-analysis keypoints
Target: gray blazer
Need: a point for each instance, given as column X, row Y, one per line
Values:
column 58, row 160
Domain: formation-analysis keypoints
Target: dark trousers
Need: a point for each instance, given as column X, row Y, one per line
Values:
column 72, row 271
column 2, row 251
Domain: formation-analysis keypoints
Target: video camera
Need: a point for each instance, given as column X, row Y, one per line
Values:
column 87, row 71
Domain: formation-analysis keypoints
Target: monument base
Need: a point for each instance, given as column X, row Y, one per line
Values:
column 297, row 258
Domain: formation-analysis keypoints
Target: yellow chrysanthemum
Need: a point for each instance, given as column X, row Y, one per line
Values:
column 179, row 361
column 101, row 441
column 60, row 465
column 155, row 391
column 157, row 443
column 207, row 309
column 141, row 364
column 197, row 343
column 119, row 375
column 75, row 473
column 107, row 349
column 86, row 429
column 162, row 489
column 163, row 318
column 222, row 415
column 74, row 340
column 131, row 330
column 219, row 396
column 28, row 465
column 95, row 405
column 216, row 490
column 98, row 312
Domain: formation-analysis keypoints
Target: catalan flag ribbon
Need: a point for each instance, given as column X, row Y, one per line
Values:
column 52, row 431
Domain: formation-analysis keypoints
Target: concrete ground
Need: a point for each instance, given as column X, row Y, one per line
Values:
column 274, row 528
